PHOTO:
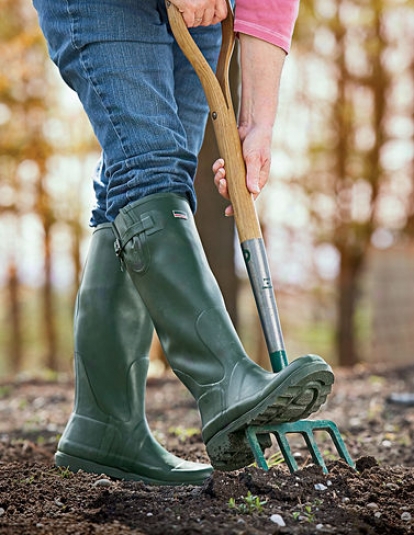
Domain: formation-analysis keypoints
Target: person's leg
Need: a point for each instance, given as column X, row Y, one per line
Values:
column 121, row 59
column 108, row 431
column 112, row 328
column 192, row 111
column 158, row 242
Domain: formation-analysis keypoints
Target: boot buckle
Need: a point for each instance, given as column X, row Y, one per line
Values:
column 118, row 247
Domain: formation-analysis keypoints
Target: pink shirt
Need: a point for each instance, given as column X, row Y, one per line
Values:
column 270, row 20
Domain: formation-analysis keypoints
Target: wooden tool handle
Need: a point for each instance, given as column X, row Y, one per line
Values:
column 217, row 90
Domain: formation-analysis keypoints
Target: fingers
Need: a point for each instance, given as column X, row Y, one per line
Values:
column 217, row 165
column 254, row 176
column 220, row 12
column 221, row 183
column 257, row 172
column 219, row 178
column 201, row 12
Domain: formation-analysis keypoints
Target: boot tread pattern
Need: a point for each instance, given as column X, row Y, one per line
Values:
column 231, row 450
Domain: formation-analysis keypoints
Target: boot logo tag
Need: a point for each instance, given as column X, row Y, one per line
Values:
column 179, row 214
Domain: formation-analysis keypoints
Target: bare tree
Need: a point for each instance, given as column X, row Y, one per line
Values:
column 347, row 173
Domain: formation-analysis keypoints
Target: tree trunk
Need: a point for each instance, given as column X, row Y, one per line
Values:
column 16, row 349
column 48, row 308
column 347, row 305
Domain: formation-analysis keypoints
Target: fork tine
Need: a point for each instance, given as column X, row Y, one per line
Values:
column 339, row 443
column 286, row 450
column 251, row 433
column 306, row 428
column 314, row 450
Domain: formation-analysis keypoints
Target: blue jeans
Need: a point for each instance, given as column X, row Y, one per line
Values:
column 142, row 97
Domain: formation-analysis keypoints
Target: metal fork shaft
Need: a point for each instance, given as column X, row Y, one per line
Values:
column 257, row 266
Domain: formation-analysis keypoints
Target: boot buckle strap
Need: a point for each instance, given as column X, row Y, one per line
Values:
column 146, row 224
column 122, row 239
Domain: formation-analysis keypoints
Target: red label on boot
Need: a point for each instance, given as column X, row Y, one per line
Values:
column 179, row 214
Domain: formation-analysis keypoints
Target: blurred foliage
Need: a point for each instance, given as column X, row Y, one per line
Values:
column 355, row 79
column 344, row 157
column 38, row 133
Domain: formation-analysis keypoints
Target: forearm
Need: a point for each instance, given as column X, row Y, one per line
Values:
column 264, row 43
column 261, row 69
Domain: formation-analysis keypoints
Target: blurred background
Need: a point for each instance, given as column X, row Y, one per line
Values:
column 337, row 215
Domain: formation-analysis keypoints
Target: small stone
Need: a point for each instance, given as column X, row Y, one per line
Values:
column 319, row 526
column 150, row 514
column 372, row 505
column 27, row 447
column 2, row 511
column 102, row 483
column 378, row 514
column 391, row 486
column 277, row 519
column 406, row 517
column 320, row 486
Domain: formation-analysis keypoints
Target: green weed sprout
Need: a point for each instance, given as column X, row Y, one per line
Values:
column 251, row 504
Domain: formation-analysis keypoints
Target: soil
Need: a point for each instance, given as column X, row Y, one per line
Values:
column 377, row 497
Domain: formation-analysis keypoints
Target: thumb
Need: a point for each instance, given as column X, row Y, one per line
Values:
column 253, row 175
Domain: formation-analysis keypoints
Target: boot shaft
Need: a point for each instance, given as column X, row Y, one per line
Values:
column 158, row 241
column 113, row 334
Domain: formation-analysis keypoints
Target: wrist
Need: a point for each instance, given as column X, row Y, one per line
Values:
column 262, row 129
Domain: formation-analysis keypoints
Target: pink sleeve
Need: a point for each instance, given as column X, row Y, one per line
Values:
column 270, row 20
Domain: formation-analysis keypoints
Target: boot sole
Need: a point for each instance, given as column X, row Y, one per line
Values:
column 74, row 464
column 229, row 449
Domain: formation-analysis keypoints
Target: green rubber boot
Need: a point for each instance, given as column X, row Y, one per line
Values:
column 108, row 431
column 158, row 242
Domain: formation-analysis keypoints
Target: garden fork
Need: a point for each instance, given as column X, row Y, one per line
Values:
column 217, row 90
